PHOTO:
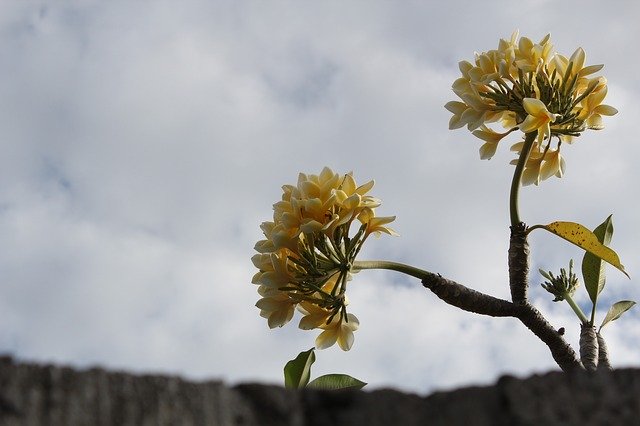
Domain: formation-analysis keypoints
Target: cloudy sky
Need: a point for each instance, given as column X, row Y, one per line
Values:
column 142, row 144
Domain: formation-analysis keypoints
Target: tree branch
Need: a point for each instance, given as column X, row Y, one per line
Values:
column 470, row 300
column 603, row 354
column 467, row 299
column 518, row 263
column 589, row 347
column 562, row 352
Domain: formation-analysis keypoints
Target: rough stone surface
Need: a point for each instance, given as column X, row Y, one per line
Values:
column 49, row 395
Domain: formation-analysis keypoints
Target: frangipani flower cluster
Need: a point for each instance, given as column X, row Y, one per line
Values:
column 309, row 252
column 526, row 86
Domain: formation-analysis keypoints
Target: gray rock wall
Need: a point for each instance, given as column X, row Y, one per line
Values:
column 50, row 395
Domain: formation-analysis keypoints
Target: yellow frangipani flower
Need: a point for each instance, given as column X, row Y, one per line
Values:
column 541, row 163
column 276, row 269
column 320, row 203
column 309, row 249
column 532, row 168
column 491, row 138
column 313, row 316
column 339, row 330
column 553, row 164
column 376, row 225
column 527, row 85
column 539, row 118
column 457, row 108
column 277, row 307
column 529, row 55
column 593, row 109
column 266, row 246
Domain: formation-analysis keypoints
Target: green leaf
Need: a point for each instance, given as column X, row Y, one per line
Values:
column 335, row 382
column 593, row 269
column 585, row 239
column 617, row 310
column 298, row 370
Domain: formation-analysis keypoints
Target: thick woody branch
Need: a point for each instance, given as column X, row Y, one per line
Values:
column 467, row 299
column 562, row 352
column 518, row 263
column 589, row 347
column 603, row 354
column 470, row 300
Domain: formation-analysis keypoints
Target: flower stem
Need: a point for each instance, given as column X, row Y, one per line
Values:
column 576, row 309
column 517, row 176
column 393, row 266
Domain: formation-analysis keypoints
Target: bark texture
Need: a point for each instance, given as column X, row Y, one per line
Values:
column 474, row 301
column 562, row 352
column 519, row 263
column 588, row 347
column 54, row 396
column 468, row 299
column 603, row 354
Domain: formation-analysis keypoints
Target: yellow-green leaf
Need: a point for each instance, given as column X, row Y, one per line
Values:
column 298, row 370
column 593, row 270
column 617, row 310
column 585, row 239
column 336, row 382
